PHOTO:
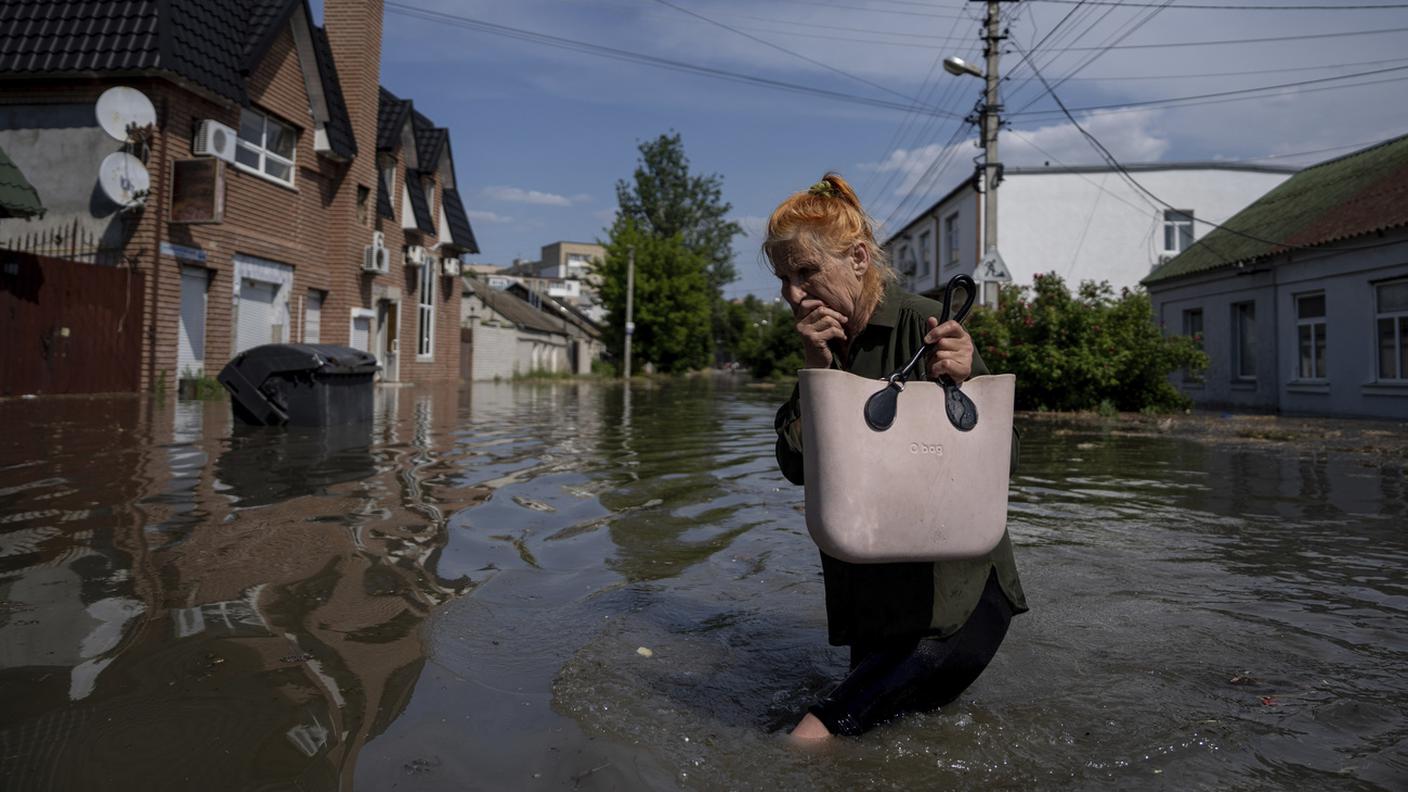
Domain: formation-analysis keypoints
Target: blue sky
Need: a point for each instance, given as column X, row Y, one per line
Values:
column 541, row 134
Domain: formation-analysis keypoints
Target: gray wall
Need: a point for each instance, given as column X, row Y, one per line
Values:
column 1347, row 276
column 59, row 147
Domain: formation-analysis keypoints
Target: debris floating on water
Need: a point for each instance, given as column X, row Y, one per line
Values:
column 645, row 651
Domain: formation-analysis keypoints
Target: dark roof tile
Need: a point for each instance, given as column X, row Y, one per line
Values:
column 211, row 43
column 339, row 125
column 430, row 140
column 461, row 234
column 390, row 120
column 1350, row 196
column 515, row 309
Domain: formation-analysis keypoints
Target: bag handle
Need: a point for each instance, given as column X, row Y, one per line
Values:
column 880, row 408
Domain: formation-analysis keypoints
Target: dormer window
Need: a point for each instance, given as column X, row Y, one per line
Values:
column 265, row 147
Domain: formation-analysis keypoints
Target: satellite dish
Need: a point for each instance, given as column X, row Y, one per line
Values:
column 124, row 179
column 120, row 107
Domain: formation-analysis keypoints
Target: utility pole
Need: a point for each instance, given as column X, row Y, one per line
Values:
column 992, row 168
column 630, row 304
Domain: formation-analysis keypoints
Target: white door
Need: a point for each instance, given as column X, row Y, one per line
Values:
column 257, row 323
column 190, row 350
column 313, row 317
column 388, row 342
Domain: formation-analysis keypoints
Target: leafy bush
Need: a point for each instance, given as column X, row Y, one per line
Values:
column 1081, row 351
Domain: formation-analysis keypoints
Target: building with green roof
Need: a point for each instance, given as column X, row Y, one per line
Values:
column 1301, row 299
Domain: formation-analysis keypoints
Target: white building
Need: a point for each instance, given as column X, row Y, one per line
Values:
column 1082, row 222
column 504, row 335
column 1303, row 307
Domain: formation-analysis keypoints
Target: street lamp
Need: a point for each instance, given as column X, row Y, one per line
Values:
column 959, row 67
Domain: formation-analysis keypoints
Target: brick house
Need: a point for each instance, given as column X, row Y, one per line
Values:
column 272, row 236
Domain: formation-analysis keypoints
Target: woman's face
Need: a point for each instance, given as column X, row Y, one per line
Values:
column 811, row 275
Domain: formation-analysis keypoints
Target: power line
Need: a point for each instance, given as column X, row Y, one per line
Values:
column 783, row 49
column 630, row 56
column 1221, row 7
column 1219, row 42
column 1115, row 163
column 1214, row 95
column 1321, row 67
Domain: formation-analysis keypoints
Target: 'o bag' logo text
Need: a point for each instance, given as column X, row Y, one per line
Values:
column 932, row 449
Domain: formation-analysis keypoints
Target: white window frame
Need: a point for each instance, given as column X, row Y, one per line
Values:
column 322, row 299
column 951, row 240
column 1400, row 338
column 1179, row 221
column 1237, row 331
column 264, row 154
column 425, row 310
column 1317, row 325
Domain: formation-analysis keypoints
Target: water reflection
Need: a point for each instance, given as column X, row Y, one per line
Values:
column 213, row 638
column 457, row 598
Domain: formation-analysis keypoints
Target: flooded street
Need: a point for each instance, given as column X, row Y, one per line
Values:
column 458, row 598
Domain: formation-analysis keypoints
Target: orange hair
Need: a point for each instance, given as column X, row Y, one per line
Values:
column 828, row 219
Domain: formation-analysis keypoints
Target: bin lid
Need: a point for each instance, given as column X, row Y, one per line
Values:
column 322, row 358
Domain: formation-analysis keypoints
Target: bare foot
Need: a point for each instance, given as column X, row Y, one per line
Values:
column 810, row 728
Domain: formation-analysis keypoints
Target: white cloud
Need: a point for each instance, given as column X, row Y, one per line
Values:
column 1131, row 136
column 535, row 197
column 488, row 217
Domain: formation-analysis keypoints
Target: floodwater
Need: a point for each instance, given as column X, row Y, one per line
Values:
column 457, row 598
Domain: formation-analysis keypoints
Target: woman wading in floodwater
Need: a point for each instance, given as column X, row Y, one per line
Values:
column 919, row 633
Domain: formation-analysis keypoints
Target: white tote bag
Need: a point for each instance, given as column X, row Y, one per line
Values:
column 900, row 471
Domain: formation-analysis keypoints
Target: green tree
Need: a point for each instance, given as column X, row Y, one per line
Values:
column 762, row 337
column 665, row 199
column 672, row 298
column 1077, row 351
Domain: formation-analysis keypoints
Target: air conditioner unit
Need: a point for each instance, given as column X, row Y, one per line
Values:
column 375, row 257
column 214, row 139
column 416, row 256
column 450, row 267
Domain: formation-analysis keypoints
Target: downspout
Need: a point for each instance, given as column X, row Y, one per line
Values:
column 1276, row 336
column 159, row 223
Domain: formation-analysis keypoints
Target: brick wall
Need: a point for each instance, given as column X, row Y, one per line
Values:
column 312, row 226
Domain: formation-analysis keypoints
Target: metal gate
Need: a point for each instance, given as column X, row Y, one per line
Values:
column 68, row 327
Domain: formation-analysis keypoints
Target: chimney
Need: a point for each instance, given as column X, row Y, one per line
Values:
column 354, row 31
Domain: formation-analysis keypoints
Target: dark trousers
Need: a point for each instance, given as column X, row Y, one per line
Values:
column 916, row 674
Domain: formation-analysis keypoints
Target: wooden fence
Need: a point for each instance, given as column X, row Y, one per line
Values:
column 68, row 326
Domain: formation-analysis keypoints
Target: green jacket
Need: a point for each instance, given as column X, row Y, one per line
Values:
column 869, row 602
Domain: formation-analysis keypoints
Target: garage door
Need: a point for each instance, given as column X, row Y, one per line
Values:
column 256, row 319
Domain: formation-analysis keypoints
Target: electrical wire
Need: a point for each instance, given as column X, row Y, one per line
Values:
column 1216, row 94
column 1320, row 67
column 1223, row 7
column 1115, row 163
column 783, row 49
column 1220, row 42
column 630, row 56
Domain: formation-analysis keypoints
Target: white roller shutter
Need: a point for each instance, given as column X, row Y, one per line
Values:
column 256, row 320
column 190, row 350
column 362, row 333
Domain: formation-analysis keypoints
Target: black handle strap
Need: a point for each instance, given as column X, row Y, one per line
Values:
column 880, row 408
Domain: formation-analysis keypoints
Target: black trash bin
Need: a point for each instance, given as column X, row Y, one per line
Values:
column 300, row 385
